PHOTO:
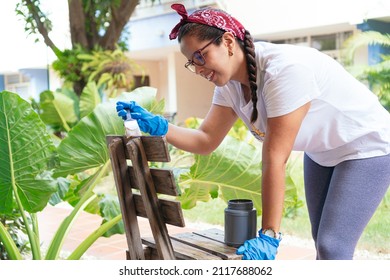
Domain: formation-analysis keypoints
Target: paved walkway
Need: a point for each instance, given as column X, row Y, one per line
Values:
column 114, row 248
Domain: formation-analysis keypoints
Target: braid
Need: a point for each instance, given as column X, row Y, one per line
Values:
column 249, row 50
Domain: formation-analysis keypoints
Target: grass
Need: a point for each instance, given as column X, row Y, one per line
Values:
column 375, row 238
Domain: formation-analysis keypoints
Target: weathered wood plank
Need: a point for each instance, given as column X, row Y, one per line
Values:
column 156, row 148
column 206, row 244
column 126, row 202
column 212, row 233
column 163, row 180
column 183, row 251
column 171, row 210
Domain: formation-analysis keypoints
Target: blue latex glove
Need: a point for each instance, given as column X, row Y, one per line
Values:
column 148, row 123
column 262, row 247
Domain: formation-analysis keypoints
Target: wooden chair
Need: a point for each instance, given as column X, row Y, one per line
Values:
column 139, row 190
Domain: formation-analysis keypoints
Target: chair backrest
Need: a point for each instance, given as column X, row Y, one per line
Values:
column 149, row 182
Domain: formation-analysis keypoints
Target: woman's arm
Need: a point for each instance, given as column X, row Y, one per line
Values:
column 277, row 146
column 210, row 134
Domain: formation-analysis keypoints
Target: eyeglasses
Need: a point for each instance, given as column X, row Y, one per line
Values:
column 198, row 58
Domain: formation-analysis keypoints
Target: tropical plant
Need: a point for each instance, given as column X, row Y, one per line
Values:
column 14, row 224
column 27, row 155
column 93, row 23
column 377, row 75
column 63, row 109
column 112, row 70
column 30, row 178
column 68, row 66
column 232, row 171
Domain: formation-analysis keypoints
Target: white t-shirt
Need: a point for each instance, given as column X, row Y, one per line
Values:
column 345, row 120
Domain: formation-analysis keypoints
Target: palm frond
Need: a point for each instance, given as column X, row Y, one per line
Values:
column 377, row 76
column 366, row 38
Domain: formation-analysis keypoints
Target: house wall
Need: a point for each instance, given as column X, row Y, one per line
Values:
column 194, row 93
column 156, row 70
column 39, row 80
column 188, row 95
column 2, row 85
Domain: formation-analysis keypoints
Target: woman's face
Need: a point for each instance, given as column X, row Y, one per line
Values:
column 216, row 66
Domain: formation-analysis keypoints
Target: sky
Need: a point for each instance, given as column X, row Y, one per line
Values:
column 17, row 50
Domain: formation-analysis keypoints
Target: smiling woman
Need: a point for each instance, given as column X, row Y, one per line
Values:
column 284, row 96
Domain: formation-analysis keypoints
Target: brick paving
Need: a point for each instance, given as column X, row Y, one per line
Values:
column 114, row 247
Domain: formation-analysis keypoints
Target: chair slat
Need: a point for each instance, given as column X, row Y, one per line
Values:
column 171, row 210
column 163, row 180
column 156, row 148
column 206, row 244
column 126, row 201
column 182, row 251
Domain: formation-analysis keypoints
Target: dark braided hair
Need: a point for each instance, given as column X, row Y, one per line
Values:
column 249, row 50
column 204, row 32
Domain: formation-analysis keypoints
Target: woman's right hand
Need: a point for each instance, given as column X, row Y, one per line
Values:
column 149, row 123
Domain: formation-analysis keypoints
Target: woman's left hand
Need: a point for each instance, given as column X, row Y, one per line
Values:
column 262, row 247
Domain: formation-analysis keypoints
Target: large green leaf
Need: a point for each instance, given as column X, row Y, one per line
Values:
column 89, row 99
column 58, row 110
column 198, row 192
column 27, row 153
column 70, row 93
column 109, row 209
column 79, row 187
column 235, row 168
column 85, row 146
column 146, row 97
column 232, row 171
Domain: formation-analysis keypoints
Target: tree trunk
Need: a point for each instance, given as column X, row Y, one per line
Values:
column 84, row 28
column 120, row 16
column 77, row 23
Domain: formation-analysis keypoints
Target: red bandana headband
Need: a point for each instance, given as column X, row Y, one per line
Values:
column 209, row 17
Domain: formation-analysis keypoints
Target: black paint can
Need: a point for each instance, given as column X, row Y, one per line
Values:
column 240, row 222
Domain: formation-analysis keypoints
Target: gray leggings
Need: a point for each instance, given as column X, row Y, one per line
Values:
column 341, row 200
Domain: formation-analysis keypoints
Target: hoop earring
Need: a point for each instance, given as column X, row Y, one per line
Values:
column 231, row 53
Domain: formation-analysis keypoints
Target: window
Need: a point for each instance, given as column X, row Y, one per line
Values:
column 19, row 84
column 330, row 44
column 299, row 41
column 141, row 81
column 324, row 42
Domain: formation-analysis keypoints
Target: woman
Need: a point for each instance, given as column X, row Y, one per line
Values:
column 291, row 98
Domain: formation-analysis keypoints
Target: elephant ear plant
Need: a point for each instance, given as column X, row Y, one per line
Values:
column 232, row 171
column 30, row 174
column 27, row 153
